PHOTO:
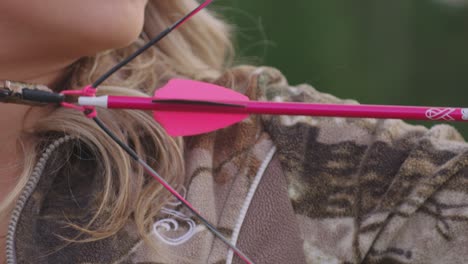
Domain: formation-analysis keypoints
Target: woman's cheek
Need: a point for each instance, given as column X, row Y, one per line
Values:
column 92, row 25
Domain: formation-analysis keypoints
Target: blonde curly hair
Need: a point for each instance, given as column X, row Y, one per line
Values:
column 200, row 49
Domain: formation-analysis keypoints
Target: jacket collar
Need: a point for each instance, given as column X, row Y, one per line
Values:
column 54, row 196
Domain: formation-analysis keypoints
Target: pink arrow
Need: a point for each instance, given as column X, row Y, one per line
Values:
column 186, row 107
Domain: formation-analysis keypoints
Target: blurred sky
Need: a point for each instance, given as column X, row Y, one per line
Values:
column 375, row 51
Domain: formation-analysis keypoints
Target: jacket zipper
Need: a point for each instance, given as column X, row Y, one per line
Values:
column 25, row 194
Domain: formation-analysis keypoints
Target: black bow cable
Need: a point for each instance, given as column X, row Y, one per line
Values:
column 150, row 43
column 135, row 156
column 161, row 180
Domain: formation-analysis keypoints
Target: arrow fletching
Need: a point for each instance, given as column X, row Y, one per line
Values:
column 185, row 123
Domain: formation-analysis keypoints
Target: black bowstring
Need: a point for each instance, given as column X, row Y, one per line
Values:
column 131, row 152
column 150, row 170
column 155, row 40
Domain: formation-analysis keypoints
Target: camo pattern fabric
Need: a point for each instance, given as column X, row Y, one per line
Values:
column 362, row 190
column 372, row 191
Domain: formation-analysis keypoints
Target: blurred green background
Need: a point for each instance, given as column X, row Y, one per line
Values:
column 375, row 51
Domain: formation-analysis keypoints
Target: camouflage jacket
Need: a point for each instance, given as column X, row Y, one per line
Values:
column 284, row 189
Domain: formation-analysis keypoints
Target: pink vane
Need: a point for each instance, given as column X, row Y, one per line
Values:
column 191, row 121
column 186, row 107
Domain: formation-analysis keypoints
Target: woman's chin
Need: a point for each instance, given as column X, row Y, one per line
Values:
column 122, row 38
column 107, row 38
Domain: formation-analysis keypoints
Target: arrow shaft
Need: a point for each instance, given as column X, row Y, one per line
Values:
column 359, row 111
column 282, row 108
